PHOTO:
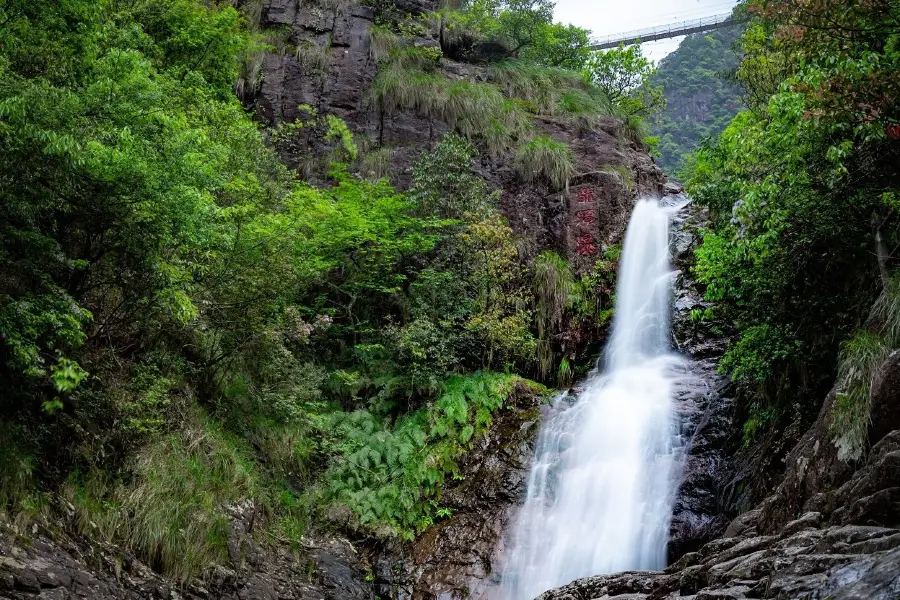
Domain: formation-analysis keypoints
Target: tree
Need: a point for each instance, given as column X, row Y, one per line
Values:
column 624, row 74
column 803, row 187
column 526, row 29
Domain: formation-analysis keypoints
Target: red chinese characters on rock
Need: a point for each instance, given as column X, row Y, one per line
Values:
column 893, row 131
column 585, row 245
column 584, row 195
column 586, row 217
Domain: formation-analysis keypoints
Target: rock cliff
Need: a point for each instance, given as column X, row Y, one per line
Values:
column 611, row 168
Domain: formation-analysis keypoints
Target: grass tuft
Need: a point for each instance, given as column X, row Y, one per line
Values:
column 552, row 92
column 553, row 283
column 376, row 164
column 174, row 514
column 314, row 59
column 475, row 110
column 20, row 499
column 382, row 42
column 886, row 311
column 544, row 157
column 253, row 13
column 861, row 357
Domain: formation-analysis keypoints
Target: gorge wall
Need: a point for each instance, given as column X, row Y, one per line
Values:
column 828, row 530
column 611, row 168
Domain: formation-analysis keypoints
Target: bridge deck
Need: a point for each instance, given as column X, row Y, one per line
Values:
column 662, row 32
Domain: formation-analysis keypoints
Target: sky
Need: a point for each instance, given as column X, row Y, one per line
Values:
column 606, row 17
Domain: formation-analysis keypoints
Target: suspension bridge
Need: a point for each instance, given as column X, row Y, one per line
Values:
column 662, row 32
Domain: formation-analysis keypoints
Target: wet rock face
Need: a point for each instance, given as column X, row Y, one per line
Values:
column 706, row 412
column 34, row 567
column 817, row 479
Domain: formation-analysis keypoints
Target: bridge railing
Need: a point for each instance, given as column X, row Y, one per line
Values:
column 663, row 31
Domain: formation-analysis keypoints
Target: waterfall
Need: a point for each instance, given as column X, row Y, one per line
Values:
column 607, row 463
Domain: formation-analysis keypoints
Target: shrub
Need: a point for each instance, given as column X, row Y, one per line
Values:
column 443, row 183
column 754, row 356
column 547, row 158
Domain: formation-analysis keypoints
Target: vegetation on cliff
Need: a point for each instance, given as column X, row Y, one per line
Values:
column 803, row 187
column 190, row 329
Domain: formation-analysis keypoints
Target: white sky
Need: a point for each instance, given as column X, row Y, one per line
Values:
column 606, row 17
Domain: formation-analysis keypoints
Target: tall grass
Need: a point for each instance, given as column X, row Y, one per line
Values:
column 544, row 157
column 250, row 74
column 382, row 42
column 860, row 359
column 553, row 283
column 475, row 110
column 173, row 510
column 314, row 59
column 178, row 519
column 20, row 499
column 375, row 164
column 552, row 91
column 886, row 310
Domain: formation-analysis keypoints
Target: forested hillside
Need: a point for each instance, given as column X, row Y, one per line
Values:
column 200, row 312
column 701, row 94
column 803, row 189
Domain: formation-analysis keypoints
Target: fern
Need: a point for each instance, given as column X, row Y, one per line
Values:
column 389, row 474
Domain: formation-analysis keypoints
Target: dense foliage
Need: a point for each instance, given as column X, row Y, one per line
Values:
column 701, row 96
column 803, row 186
column 188, row 326
column 502, row 29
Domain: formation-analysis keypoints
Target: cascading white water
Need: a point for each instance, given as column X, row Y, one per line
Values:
column 606, row 468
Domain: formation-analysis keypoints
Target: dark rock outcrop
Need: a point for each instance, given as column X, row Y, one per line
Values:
column 705, row 411
column 42, row 566
column 803, row 562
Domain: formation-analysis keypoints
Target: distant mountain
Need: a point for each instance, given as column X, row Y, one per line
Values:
column 701, row 99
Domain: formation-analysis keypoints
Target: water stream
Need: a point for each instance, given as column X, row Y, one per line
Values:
column 607, row 463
